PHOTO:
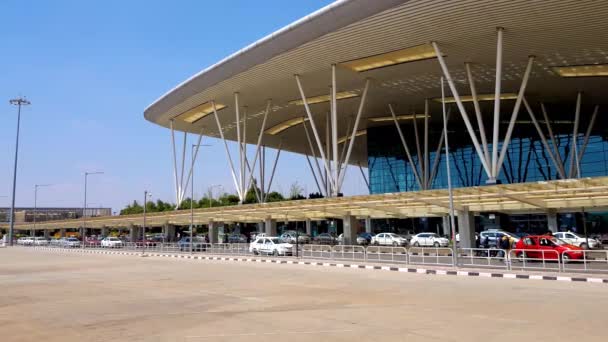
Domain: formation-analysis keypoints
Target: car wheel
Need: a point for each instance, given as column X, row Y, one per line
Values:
column 416, row 244
column 255, row 252
column 565, row 258
column 436, row 244
column 395, row 244
column 584, row 246
column 522, row 255
column 275, row 253
column 376, row 243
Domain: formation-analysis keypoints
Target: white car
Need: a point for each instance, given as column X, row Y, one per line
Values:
column 25, row 240
column 40, row 241
column 112, row 242
column 70, row 242
column 270, row 246
column 577, row 240
column 389, row 239
column 429, row 240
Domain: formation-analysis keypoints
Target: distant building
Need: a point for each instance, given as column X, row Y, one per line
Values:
column 26, row 214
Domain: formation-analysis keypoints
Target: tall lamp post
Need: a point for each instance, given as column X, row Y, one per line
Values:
column 19, row 102
column 449, row 175
column 84, row 210
column 192, row 194
column 36, row 186
column 143, row 228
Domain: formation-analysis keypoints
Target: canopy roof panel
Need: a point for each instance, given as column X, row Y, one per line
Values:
column 558, row 33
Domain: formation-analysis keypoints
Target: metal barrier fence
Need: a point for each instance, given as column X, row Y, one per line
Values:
column 482, row 257
column 534, row 259
column 585, row 261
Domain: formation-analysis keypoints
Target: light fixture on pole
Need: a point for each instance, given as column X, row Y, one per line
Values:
column 192, row 193
column 143, row 229
column 449, row 175
column 19, row 102
column 36, row 186
column 84, row 210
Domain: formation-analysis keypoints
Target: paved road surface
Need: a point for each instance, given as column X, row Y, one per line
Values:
column 52, row 297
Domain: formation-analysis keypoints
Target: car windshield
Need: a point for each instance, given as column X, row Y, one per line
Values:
column 275, row 240
column 72, row 239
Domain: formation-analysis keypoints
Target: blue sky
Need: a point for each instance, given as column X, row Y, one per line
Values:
column 91, row 67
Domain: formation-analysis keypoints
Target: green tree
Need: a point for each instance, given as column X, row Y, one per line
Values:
column 275, row 197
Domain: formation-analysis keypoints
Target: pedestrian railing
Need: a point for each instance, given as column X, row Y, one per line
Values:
column 482, row 257
column 386, row 254
column 592, row 261
column 534, row 259
column 587, row 261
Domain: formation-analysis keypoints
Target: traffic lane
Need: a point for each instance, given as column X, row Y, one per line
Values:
column 126, row 298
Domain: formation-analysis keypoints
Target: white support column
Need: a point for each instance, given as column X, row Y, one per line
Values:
column 543, row 140
column 334, row 129
column 308, row 227
column 174, row 164
column 497, row 92
column 314, row 127
column 328, row 173
column 368, row 225
column 407, row 150
column 466, row 228
column 520, row 96
column 353, row 136
column 274, row 167
column 213, row 233
column 574, row 140
column 198, row 145
column 482, row 129
column 314, row 175
column 181, row 181
column 257, row 147
column 552, row 224
column 350, row 226
column 555, row 148
column 219, row 128
column 463, row 112
column 270, row 226
column 435, row 167
column 240, row 147
column 588, row 134
column 314, row 155
column 345, row 144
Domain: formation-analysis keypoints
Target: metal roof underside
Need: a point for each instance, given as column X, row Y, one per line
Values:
column 539, row 197
column 557, row 32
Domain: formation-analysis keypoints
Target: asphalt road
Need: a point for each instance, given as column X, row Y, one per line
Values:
column 55, row 297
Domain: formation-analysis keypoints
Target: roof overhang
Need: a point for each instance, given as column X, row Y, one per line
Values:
column 558, row 33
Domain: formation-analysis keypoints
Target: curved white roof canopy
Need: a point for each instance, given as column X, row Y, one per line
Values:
column 558, row 33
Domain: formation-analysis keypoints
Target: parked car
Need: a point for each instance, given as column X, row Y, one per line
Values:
column 24, row 241
column 290, row 237
column 112, row 242
column 577, row 240
column 389, row 239
column 237, row 238
column 325, row 239
column 70, row 242
column 198, row 244
column 270, row 246
column 92, row 242
column 40, row 241
column 55, row 242
column 429, row 239
column 534, row 246
column 364, row 239
column 489, row 238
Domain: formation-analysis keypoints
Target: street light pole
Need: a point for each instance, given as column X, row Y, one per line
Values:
column 143, row 230
column 84, row 210
column 449, row 175
column 192, row 195
column 36, row 186
column 17, row 102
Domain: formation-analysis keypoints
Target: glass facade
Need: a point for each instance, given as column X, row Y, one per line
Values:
column 526, row 159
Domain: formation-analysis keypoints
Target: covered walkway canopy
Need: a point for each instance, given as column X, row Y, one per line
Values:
column 555, row 196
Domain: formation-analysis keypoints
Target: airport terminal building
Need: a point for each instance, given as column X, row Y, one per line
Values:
column 508, row 94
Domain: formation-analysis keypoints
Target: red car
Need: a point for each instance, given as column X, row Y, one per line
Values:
column 547, row 247
column 92, row 242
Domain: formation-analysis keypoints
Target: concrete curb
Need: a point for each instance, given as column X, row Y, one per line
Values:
column 341, row 265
